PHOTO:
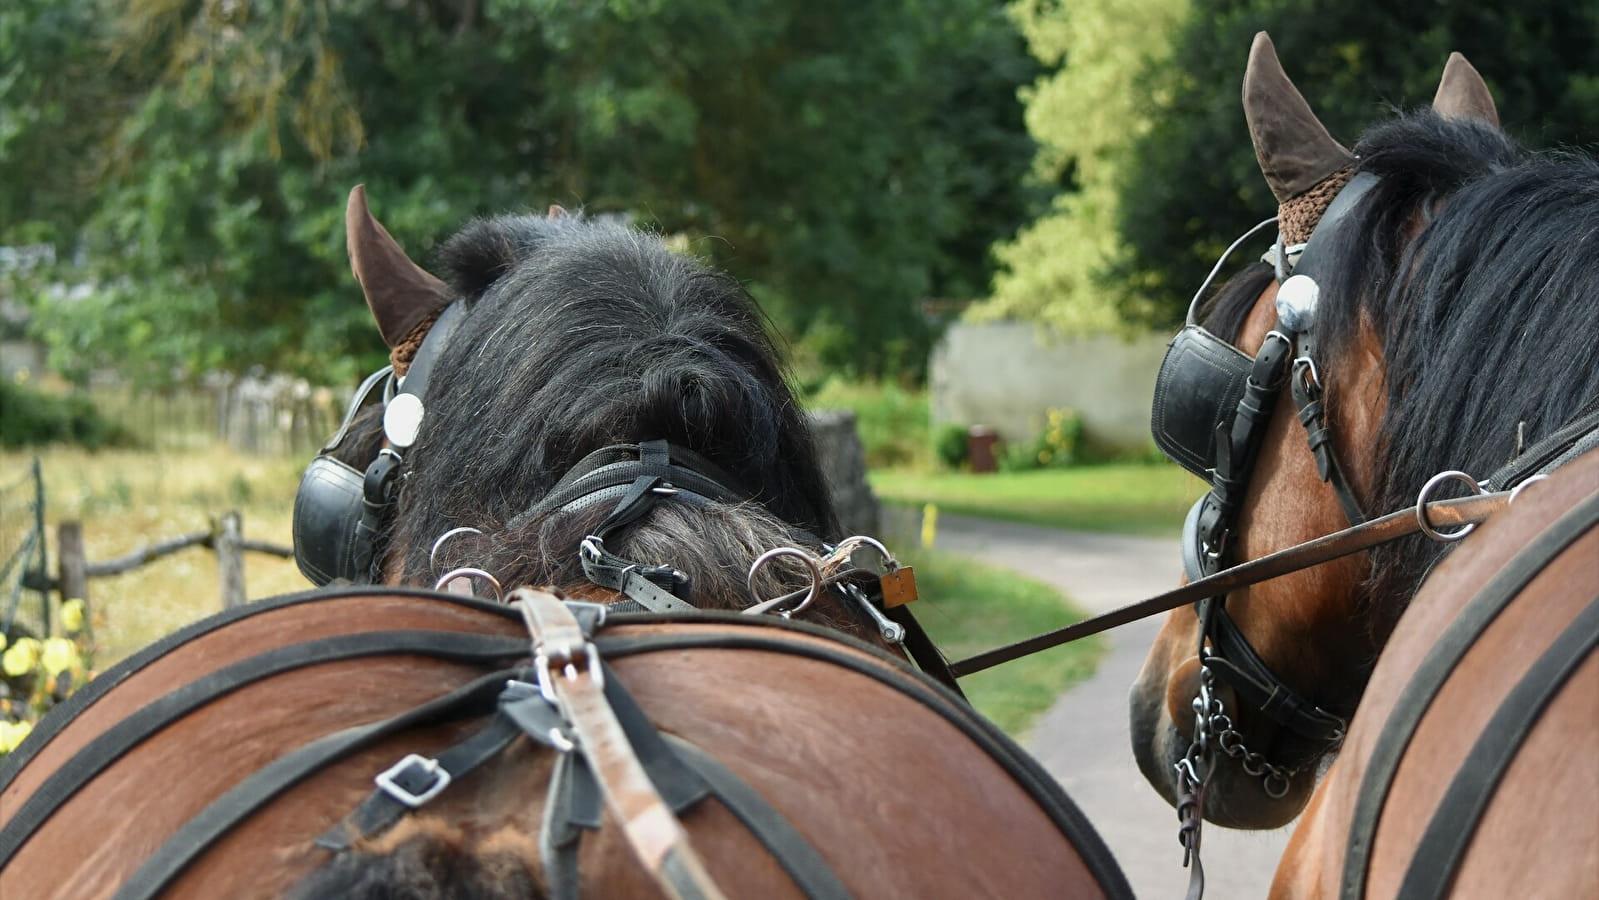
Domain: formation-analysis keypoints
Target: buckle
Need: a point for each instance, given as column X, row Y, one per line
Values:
column 409, row 768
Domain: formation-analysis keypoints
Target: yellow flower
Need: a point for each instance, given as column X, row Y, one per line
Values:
column 59, row 655
column 12, row 733
column 21, row 658
column 1043, row 457
column 72, row 615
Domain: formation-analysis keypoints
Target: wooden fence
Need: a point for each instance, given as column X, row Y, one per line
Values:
column 253, row 413
column 26, row 557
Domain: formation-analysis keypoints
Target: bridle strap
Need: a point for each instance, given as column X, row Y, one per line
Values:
column 1237, row 663
column 1395, row 525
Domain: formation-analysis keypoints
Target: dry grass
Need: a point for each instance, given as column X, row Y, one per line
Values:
column 127, row 500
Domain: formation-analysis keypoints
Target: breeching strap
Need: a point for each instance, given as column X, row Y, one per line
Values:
column 1395, row 525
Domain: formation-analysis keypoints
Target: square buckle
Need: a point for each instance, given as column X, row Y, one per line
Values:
column 388, row 781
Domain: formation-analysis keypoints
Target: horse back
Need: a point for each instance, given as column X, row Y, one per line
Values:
column 900, row 789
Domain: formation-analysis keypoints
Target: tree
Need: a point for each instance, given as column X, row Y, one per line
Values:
column 1086, row 115
column 1195, row 184
column 847, row 160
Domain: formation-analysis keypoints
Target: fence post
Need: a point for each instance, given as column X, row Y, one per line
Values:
column 227, row 540
column 44, row 556
column 73, row 576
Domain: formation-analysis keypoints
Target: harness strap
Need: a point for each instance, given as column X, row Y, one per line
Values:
column 1307, row 394
column 227, row 811
column 1435, row 668
column 1240, row 666
column 1395, row 525
column 569, row 666
column 128, row 733
column 1562, row 446
column 1438, row 854
column 415, row 777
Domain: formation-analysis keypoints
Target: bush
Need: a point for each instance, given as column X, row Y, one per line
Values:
column 950, row 445
column 892, row 421
column 1056, row 447
column 33, row 418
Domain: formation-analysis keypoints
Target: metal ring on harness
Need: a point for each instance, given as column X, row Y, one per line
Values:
column 1443, row 537
column 1516, row 491
column 469, row 572
column 768, row 556
column 433, row 562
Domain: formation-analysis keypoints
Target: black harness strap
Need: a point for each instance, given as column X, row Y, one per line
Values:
column 1236, row 662
column 63, row 715
column 1438, row 854
column 151, row 718
column 283, row 773
column 1434, row 670
column 811, row 874
column 1039, row 784
column 1565, row 444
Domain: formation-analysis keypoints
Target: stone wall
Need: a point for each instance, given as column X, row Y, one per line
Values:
column 844, row 462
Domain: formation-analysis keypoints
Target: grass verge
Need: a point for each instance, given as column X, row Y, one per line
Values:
column 968, row 607
column 1124, row 498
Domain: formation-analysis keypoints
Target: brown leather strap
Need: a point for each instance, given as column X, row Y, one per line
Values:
column 1440, row 514
column 568, row 665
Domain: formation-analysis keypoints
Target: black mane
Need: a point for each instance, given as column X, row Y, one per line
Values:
column 581, row 334
column 1476, row 264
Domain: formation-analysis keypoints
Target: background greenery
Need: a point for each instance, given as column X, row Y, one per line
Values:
column 866, row 168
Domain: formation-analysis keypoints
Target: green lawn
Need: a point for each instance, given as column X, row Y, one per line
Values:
column 1126, row 498
column 968, row 608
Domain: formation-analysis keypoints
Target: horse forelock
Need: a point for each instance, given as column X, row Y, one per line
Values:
column 581, row 334
column 1474, row 266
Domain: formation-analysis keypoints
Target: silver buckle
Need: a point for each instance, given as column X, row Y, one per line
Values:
column 386, row 780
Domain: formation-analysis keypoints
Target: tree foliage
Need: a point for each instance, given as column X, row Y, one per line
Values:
column 1086, row 118
column 847, row 160
column 1196, row 184
column 1143, row 132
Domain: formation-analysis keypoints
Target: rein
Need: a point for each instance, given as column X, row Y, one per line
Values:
column 1461, row 511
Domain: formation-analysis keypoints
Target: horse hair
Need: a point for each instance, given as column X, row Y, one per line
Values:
column 580, row 334
column 426, row 859
column 1476, row 265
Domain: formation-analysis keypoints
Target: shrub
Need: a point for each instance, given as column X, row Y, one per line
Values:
column 892, row 421
column 950, row 446
column 33, row 418
column 1056, row 447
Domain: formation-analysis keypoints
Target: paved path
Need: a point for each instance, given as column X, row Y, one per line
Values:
column 1083, row 739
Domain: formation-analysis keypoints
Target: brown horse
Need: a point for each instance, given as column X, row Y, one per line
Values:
column 1467, row 769
column 580, row 408
column 1426, row 307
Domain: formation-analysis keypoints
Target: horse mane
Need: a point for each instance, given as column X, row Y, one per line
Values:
column 1476, row 265
column 583, row 333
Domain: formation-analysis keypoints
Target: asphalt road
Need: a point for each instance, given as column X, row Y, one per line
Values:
column 1083, row 739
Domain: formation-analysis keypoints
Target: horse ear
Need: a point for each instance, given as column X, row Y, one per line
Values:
column 400, row 293
column 557, row 211
column 1462, row 94
column 1293, row 148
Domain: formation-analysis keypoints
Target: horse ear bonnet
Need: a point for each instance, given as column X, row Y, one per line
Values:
column 338, row 509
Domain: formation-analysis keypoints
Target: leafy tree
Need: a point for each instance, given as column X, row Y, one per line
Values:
column 1086, row 115
column 847, row 160
column 1194, row 183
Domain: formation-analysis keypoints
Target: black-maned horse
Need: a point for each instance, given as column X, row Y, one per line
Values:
column 584, row 412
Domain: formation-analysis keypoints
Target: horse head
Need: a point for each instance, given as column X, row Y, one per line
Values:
column 559, row 360
column 1417, row 313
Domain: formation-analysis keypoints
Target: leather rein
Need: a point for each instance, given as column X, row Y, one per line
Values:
column 1462, row 511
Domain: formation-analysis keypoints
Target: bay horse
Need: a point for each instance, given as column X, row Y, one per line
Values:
column 578, row 408
column 1466, row 771
column 1427, row 307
